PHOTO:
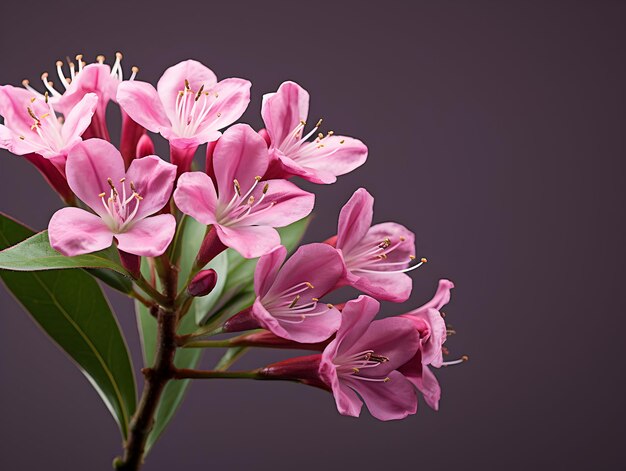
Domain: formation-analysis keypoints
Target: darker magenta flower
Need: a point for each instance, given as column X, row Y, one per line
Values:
column 320, row 160
column 241, row 207
column 124, row 203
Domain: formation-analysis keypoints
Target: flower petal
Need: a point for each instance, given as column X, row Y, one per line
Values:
column 356, row 318
column 195, row 195
column 141, row 102
column 355, row 220
column 267, row 268
column 340, row 155
column 318, row 264
column 391, row 400
column 347, row 401
column 89, row 164
column 173, row 81
column 74, row 231
column 12, row 142
column 94, row 78
column 441, row 297
column 79, row 119
column 148, row 237
column 240, row 154
column 395, row 287
column 250, row 241
column 153, row 179
column 233, row 97
column 14, row 102
column 282, row 111
column 289, row 204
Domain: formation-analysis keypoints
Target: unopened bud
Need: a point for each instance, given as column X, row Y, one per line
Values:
column 145, row 146
column 203, row 283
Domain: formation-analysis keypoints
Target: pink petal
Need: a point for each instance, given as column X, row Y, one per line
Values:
column 173, row 81
column 148, row 237
column 267, row 268
column 195, row 195
column 395, row 287
column 441, row 297
column 290, row 167
column 290, row 204
column 391, row 400
column 355, row 219
column 74, row 231
column 141, row 102
column 424, row 380
column 356, row 318
column 232, row 101
column 14, row 102
column 79, row 119
column 240, row 154
column 282, row 111
column 318, row 264
column 250, row 241
column 336, row 158
column 154, row 179
column 89, row 164
column 94, row 78
column 11, row 141
column 394, row 232
column 347, row 401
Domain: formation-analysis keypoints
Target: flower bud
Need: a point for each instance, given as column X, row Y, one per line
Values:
column 144, row 146
column 203, row 283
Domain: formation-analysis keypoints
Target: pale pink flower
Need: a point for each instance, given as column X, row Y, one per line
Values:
column 243, row 209
column 321, row 160
column 80, row 79
column 364, row 358
column 188, row 107
column 124, row 202
column 31, row 125
column 288, row 295
column 376, row 257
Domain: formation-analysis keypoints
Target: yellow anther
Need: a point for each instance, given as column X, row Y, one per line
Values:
column 315, row 299
column 342, row 141
column 187, row 87
column 257, row 178
column 319, row 123
column 309, row 285
column 294, row 302
column 266, row 187
column 423, row 260
column 59, row 63
column 412, row 257
column 102, row 195
column 100, row 59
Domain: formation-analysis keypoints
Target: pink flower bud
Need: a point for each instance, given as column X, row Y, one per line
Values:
column 145, row 146
column 203, row 283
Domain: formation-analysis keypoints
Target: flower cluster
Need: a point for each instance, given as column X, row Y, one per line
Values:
column 135, row 201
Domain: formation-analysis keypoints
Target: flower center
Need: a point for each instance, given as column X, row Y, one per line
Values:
column 119, row 208
column 352, row 365
column 292, row 306
column 298, row 148
column 46, row 127
column 73, row 71
column 374, row 259
column 192, row 109
column 241, row 206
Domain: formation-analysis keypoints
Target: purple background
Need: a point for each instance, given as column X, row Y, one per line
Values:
column 496, row 130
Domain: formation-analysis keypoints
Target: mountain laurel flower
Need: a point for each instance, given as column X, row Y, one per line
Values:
column 123, row 202
column 242, row 208
column 79, row 79
column 31, row 125
column 288, row 297
column 188, row 107
column 320, row 160
column 376, row 258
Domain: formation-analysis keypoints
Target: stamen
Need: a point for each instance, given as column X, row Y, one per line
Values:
column 294, row 302
column 463, row 359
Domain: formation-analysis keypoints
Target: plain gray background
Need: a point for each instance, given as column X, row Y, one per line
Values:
column 496, row 132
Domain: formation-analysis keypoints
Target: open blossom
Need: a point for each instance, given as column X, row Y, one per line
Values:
column 431, row 327
column 124, row 202
column 376, row 257
column 80, row 79
column 321, row 160
column 31, row 124
column 288, row 297
column 188, row 107
column 243, row 209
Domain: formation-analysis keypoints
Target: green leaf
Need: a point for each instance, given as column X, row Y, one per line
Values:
column 35, row 253
column 71, row 308
column 113, row 279
column 203, row 305
column 241, row 270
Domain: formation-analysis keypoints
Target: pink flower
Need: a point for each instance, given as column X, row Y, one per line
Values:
column 243, row 209
column 188, row 107
column 319, row 161
column 32, row 126
column 364, row 359
column 80, row 79
column 287, row 302
column 122, row 201
column 376, row 258
column 423, row 379
column 430, row 325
